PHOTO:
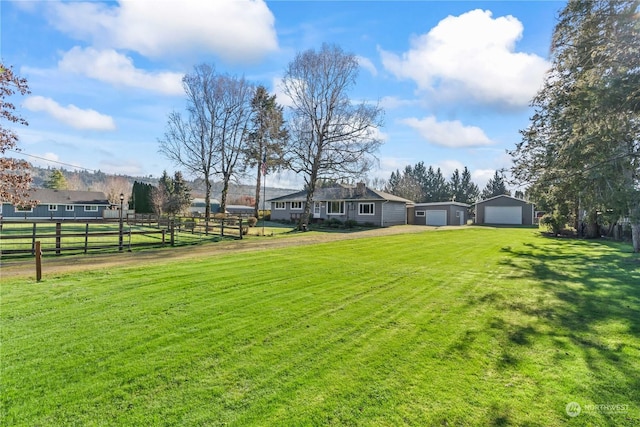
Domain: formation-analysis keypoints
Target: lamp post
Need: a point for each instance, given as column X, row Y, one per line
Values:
column 121, row 207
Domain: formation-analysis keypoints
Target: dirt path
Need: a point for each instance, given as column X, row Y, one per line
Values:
column 75, row 263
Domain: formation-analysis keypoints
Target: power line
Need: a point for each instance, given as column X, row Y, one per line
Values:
column 52, row 161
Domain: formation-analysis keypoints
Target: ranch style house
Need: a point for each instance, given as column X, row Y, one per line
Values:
column 59, row 204
column 344, row 202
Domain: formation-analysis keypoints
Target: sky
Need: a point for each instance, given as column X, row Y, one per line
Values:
column 454, row 78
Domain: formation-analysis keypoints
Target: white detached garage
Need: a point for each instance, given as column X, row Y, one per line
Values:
column 504, row 210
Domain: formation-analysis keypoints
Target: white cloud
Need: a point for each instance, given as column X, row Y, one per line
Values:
column 236, row 30
column 117, row 69
column 471, row 57
column 129, row 167
column 70, row 115
column 367, row 65
column 448, row 166
column 482, row 176
column 393, row 102
column 451, row 134
column 278, row 90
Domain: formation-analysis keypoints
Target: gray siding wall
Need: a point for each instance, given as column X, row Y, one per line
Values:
column 394, row 213
column 452, row 210
column 43, row 212
column 527, row 209
column 281, row 214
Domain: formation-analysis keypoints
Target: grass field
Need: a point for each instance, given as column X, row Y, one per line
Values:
column 476, row 326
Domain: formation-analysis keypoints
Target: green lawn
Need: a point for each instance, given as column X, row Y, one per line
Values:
column 476, row 326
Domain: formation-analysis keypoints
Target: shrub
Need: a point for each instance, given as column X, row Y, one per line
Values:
column 350, row 223
column 252, row 221
column 334, row 223
column 369, row 224
column 554, row 222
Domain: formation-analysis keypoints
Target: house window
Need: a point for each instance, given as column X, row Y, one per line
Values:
column 279, row 205
column 366, row 209
column 53, row 208
column 24, row 209
column 68, row 208
column 91, row 208
column 421, row 213
column 335, row 208
column 296, row 205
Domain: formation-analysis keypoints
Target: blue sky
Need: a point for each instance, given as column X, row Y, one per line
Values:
column 454, row 77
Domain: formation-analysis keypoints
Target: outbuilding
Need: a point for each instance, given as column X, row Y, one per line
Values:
column 504, row 210
column 438, row 213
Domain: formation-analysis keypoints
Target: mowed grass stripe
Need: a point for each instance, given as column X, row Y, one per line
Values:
column 472, row 326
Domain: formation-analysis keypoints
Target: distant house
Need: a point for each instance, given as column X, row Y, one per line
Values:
column 438, row 213
column 197, row 207
column 59, row 204
column 504, row 210
column 240, row 210
column 344, row 202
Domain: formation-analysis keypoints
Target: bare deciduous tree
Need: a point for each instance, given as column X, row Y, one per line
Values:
column 15, row 179
column 113, row 186
column 209, row 140
column 332, row 138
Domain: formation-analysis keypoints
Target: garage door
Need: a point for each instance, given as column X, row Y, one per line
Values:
column 503, row 215
column 437, row 218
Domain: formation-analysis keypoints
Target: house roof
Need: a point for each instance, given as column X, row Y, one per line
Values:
column 502, row 196
column 240, row 207
column 199, row 202
column 341, row 192
column 462, row 205
column 46, row 196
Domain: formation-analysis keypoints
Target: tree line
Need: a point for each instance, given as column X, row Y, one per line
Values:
column 580, row 154
column 423, row 185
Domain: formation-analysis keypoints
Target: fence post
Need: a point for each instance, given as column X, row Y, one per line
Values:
column 58, row 237
column 172, row 231
column 241, row 230
column 86, row 238
column 33, row 240
column 222, row 227
column 163, row 239
column 38, row 250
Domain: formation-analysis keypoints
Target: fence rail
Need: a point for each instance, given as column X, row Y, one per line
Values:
column 19, row 237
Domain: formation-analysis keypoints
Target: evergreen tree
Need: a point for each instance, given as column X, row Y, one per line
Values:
column 268, row 138
column 495, row 187
column 181, row 193
column 172, row 195
column 56, row 180
column 141, row 198
column 435, row 187
column 469, row 190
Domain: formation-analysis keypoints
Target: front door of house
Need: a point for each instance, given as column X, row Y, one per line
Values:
column 316, row 209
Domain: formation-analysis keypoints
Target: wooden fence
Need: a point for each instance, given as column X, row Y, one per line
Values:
column 81, row 236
